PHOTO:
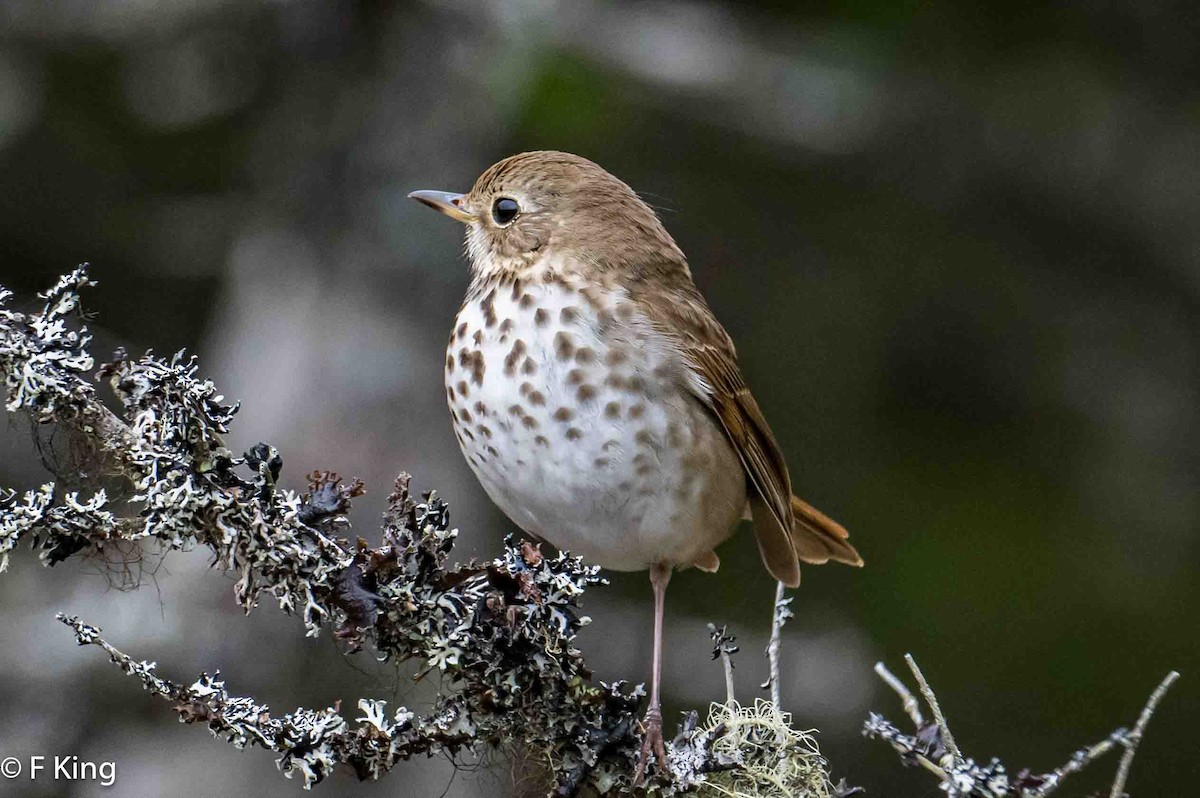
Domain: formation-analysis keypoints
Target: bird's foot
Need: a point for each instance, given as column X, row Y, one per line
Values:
column 652, row 740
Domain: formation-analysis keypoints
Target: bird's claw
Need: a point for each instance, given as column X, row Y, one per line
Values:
column 652, row 740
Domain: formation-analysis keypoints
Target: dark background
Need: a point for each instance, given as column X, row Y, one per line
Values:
column 958, row 247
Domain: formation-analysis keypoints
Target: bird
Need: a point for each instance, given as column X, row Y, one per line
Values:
column 597, row 398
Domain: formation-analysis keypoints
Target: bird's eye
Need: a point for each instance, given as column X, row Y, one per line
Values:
column 504, row 210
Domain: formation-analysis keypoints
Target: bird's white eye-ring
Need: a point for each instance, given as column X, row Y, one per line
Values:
column 504, row 210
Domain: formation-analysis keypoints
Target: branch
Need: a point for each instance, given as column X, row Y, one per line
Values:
column 1135, row 737
column 932, row 748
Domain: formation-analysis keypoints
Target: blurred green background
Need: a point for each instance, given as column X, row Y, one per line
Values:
column 957, row 244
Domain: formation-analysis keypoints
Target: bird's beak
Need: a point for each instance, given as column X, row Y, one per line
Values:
column 445, row 202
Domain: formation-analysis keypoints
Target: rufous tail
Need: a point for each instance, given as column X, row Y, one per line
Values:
column 818, row 539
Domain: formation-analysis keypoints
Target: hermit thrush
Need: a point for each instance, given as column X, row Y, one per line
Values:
column 596, row 397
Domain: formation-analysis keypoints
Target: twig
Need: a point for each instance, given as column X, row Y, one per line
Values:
column 1135, row 737
column 723, row 647
column 778, row 617
column 1049, row 782
column 930, row 699
column 961, row 777
column 912, row 707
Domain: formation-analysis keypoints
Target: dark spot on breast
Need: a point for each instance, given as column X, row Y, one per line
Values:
column 526, row 388
column 480, row 408
column 585, row 355
column 637, row 384
column 616, row 357
column 537, row 398
column 637, row 410
column 468, row 435
column 568, row 315
column 462, row 389
column 574, row 434
column 540, row 317
column 450, row 393
column 586, row 393
column 483, row 430
column 449, row 363
column 506, row 326
column 615, row 381
column 514, row 354
column 477, row 337
column 492, row 451
column 600, row 462
column 575, row 376
column 612, row 410
column 542, row 440
column 461, row 331
column 489, row 309
column 526, row 301
column 465, row 415
column 564, row 414
column 644, row 438
column 515, row 410
column 517, row 287
column 528, row 367
column 674, row 436
column 529, row 422
column 477, row 368
column 563, row 346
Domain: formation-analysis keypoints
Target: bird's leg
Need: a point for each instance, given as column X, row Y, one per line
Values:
column 652, row 736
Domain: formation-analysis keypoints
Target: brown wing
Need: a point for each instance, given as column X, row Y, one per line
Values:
column 683, row 315
column 766, row 471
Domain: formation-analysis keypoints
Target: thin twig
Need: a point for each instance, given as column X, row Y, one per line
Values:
column 1135, row 737
column 1079, row 760
column 778, row 616
column 930, row 699
column 912, row 707
column 723, row 647
column 727, row 663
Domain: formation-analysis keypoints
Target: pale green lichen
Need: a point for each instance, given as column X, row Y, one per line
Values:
column 776, row 759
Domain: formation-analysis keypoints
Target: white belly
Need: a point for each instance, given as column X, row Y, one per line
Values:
column 577, row 422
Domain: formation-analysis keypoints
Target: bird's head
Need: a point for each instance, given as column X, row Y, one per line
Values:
column 554, row 209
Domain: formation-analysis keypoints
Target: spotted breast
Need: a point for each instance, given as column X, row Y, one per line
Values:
column 571, row 410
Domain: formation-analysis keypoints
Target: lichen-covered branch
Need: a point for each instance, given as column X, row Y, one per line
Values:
column 499, row 633
column 932, row 748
